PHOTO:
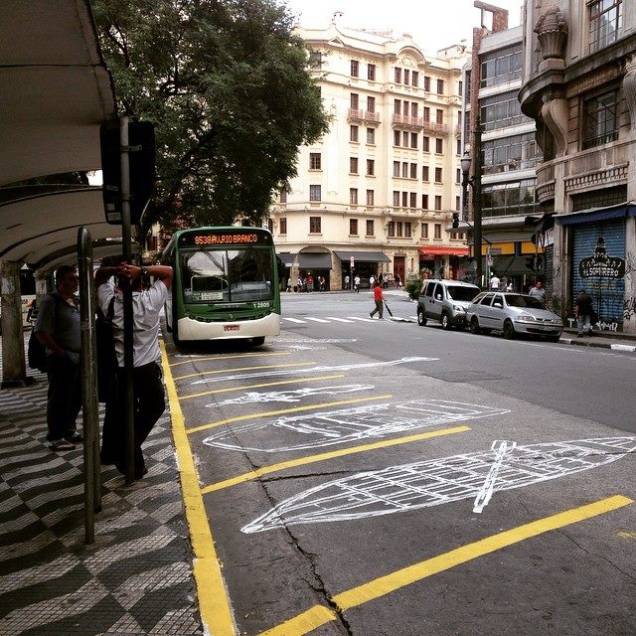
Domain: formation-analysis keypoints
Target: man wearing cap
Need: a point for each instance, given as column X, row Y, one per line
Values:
column 583, row 311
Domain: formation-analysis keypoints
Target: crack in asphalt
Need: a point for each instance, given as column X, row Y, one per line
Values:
column 267, row 480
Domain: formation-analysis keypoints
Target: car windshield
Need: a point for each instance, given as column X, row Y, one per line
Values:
column 528, row 302
column 459, row 292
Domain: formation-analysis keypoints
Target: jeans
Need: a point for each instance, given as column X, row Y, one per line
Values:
column 64, row 396
column 583, row 324
column 379, row 308
column 149, row 404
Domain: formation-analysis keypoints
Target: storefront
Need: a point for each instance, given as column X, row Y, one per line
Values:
column 366, row 264
column 314, row 265
column 438, row 261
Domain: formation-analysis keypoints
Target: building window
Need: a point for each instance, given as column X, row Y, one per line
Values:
column 397, row 106
column 407, row 229
column 405, row 139
column 371, row 72
column 413, row 171
column 425, row 173
column 439, row 116
column 283, row 196
column 414, row 140
column 353, row 196
column 440, row 87
column 458, row 175
column 412, row 199
column 355, row 68
column 398, row 229
column 439, row 146
column 371, row 136
column 370, row 228
column 427, row 83
column 460, row 88
column 396, row 199
column 371, row 104
column 600, row 119
column 426, row 144
column 315, row 59
column 405, row 170
column 438, row 175
column 415, row 78
column 314, row 225
column 397, row 136
column 353, row 133
column 457, row 204
column 353, row 165
column 501, row 111
column 458, row 149
column 606, row 20
column 314, row 193
column 425, row 202
column 424, row 230
column 507, row 154
column 370, row 167
column 407, row 76
column 283, row 224
column 501, row 67
column 396, row 169
column 438, row 203
column 354, row 101
column 405, row 199
column 438, row 231
column 599, row 198
column 427, row 114
column 370, row 198
column 353, row 227
column 397, row 72
column 391, row 228
column 314, row 161
column 516, row 198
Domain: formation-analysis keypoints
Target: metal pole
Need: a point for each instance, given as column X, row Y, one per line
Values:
column 88, row 366
column 129, row 396
column 477, row 239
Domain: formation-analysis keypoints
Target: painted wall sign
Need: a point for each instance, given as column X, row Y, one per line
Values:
column 601, row 265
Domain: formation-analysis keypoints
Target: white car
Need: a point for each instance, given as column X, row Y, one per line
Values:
column 512, row 314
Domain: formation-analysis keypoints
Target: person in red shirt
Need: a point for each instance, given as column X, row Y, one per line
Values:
column 379, row 301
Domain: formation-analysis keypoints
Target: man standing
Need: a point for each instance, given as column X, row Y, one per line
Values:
column 583, row 311
column 149, row 398
column 538, row 291
column 346, row 281
column 494, row 282
column 356, row 284
column 58, row 329
column 379, row 301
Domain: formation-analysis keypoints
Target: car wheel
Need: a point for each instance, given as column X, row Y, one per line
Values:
column 445, row 322
column 421, row 319
column 257, row 342
column 474, row 325
column 554, row 338
column 508, row 330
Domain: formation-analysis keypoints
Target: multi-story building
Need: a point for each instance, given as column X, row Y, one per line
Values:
column 383, row 183
column 509, row 150
column 580, row 86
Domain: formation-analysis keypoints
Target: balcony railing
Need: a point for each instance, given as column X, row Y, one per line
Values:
column 434, row 127
column 408, row 121
column 364, row 116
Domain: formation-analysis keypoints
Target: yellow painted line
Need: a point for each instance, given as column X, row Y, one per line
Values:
column 213, row 358
column 214, row 602
column 320, row 615
column 265, row 366
column 295, row 409
column 342, row 452
column 246, row 387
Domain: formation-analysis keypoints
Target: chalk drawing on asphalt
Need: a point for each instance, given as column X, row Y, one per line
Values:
column 440, row 481
column 342, row 426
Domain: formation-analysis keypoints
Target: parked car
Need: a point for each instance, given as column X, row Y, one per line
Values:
column 445, row 301
column 513, row 314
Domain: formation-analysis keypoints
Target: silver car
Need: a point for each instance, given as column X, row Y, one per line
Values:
column 512, row 314
column 445, row 301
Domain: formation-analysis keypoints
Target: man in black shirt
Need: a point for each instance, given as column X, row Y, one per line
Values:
column 583, row 311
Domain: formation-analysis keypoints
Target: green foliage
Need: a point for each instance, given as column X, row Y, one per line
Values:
column 226, row 85
column 413, row 287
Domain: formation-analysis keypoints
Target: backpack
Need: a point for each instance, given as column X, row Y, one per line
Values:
column 37, row 351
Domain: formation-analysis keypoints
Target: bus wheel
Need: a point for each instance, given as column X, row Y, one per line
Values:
column 257, row 342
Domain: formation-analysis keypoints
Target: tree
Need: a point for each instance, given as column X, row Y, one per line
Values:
column 226, row 84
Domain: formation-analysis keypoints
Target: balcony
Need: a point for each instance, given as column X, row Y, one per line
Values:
column 407, row 121
column 435, row 128
column 355, row 115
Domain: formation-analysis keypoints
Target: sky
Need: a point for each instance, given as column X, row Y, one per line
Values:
column 434, row 24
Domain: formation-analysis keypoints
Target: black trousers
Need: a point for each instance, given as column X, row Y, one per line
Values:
column 64, row 396
column 149, row 405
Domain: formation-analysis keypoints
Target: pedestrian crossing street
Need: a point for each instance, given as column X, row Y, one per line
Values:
column 347, row 319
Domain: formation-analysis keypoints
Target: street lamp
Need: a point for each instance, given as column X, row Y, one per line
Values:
column 475, row 183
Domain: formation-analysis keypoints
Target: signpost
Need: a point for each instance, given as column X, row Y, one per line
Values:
column 352, row 265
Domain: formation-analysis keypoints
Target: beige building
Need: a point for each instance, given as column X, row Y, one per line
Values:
column 580, row 87
column 383, row 184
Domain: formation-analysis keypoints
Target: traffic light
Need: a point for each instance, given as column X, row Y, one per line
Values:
column 141, row 141
column 455, row 220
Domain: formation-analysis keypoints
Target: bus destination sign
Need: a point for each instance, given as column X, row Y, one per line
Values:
column 214, row 239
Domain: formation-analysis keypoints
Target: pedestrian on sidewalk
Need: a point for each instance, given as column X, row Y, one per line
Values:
column 149, row 398
column 356, row 284
column 538, row 291
column 58, row 330
column 583, row 311
column 379, row 301
column 346, row 281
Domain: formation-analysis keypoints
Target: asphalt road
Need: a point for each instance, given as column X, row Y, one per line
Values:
column 380, row 478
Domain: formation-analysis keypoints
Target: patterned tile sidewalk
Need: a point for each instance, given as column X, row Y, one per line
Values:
column 135, row 579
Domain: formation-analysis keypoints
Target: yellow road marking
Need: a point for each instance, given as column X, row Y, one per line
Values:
column 342, row 452
column 214, row 603
column 320, row 615
column 265, row 366
column 295, row 409
column 234, row 389
column 228, row 357
column 626, row 534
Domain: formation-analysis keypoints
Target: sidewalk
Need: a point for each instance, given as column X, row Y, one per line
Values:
column 601, row 339
column 135, row 579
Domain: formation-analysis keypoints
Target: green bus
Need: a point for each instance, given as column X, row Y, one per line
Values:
column 225, row 284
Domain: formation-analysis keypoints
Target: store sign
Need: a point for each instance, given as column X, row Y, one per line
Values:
column 601, row 265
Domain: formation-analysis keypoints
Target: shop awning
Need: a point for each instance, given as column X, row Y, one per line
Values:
column 363, row 257
column 287, row 258
column 314, row 261
column 594, row 216
column 513, row 265
column 431, row 251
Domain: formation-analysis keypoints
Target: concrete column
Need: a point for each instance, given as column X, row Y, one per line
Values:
column 13, row 359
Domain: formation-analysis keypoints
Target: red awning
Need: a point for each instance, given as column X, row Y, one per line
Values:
column 431, row 251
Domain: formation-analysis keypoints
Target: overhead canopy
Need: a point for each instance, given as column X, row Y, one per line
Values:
column 314, row 261
column 440, row 250
column 54, row 87
column 287, row 258
column 513, row 265
column 594, row 216
column 364, row 257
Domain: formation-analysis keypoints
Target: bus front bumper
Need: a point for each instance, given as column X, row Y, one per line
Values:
column 190, row 329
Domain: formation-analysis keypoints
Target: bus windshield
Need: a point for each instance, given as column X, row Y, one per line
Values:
column 234, row 275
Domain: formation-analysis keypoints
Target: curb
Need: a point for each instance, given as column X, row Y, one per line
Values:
column 599, row 345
